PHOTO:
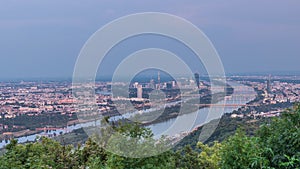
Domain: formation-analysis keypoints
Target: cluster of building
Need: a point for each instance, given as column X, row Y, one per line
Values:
column 278, row 91
column 274, row 92
column 34, row 98
column 282, row 92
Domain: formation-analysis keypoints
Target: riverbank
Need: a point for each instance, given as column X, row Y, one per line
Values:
column 171, row 112
column 22, row 133
column 77, row 135
column 75, row 124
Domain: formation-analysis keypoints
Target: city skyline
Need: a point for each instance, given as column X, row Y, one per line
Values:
column 43, row 39
column 149, row 84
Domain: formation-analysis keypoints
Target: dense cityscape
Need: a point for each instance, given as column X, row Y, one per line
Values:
column 52, row 100
column 149, row 84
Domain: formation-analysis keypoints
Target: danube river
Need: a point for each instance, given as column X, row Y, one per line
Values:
column 187, row 122
column 183, row 123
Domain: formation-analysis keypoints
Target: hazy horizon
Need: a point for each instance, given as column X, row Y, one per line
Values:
column 43, row 39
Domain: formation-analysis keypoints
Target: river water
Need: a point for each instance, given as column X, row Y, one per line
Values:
column 187, row 122
column 183, row 123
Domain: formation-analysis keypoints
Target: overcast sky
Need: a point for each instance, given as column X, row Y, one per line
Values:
column 44, row 38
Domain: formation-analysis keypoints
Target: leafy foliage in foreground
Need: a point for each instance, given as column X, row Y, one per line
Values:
column 275, row 146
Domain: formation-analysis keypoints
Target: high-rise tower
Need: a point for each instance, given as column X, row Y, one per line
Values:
column 158, row 80
column 269, row 84
column 139, row 91
column 197, row 78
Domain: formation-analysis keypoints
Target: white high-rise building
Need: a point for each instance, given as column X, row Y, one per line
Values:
column 135, row 85
column 139, row 91
column 173, row 84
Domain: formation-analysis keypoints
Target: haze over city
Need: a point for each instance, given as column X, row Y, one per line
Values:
column 42, row 39
column 149, row 84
